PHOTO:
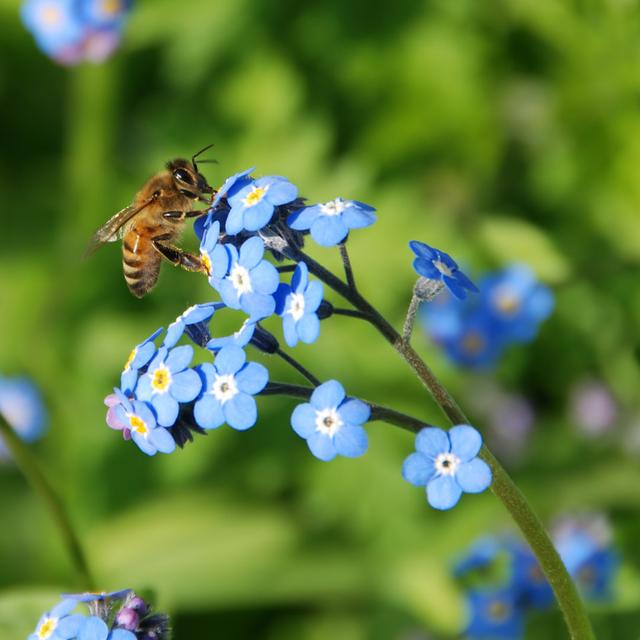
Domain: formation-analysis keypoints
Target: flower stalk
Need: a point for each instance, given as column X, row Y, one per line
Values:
column 31, row 470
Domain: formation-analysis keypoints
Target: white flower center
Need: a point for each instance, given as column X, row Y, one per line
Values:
column 442, row 268
column 296, row 306
column 240, row 279
column 255, row 195
column 447, row 464
column 224, row 388
column 161, row 379
column 328, row 421
column 47, row 628
column 335, row 207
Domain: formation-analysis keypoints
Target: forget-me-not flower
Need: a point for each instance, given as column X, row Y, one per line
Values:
column 330, row 223
column 495, row 614
column 141, row 425
column 253, row 205
column 438, row 265
column 331, row 423
column 229, row 385
column 139, row 357
column 54, row 23
column 298, row 305
column 22, row 407
column 59, row 624
column 249, row 281
column 447, row 464
column 168, row 382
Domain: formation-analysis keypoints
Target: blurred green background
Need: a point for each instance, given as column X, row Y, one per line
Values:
column 496, row 130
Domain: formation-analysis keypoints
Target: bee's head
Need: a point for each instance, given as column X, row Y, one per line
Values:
column 188, row 180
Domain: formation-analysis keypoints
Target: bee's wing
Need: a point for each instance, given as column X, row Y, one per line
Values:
column 108, row 232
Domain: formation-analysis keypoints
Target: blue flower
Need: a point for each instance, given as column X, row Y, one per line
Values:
column 232, row 185
column 494, row 614
column 330, row 223
column 298, row 304
column 249, row 281
column 192, row 316
column 517, row 302
column 240, row 338
column 94, row 628
column 437, row 265
column 447, row 465
column 142, row 427
column 58, row 624
column 104, row 14
column 139, row 357
column 331, row 423
column 169, row 381
column 481, row 554
column 527, row 577
column 53, row 23
column 229, row 385
column 252, row 206
column 22, row 407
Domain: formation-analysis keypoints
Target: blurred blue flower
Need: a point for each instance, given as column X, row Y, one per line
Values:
column 139, row 357
column 527, row 577
column 59, row 624
column 446, row 463
column 97, row 596
column 229, row 385
column 55, row 24
column 252, row 206
column 331, row 423
column 298, row 305
column 494, row 614
column 168, row 382
column 249, row 281
column 481, row 554
column 330, row 223
column 104, row 14
column 517, row 302
column 22, row 407
column 141, row 426
column 192, row 316
column 438, row 265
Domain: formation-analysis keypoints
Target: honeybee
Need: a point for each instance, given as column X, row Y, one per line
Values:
column 153, row 221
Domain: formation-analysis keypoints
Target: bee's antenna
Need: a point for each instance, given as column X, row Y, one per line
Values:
column 195, row 155
column 209, row 161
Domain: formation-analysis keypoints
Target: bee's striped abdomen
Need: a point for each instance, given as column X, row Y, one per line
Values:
column 140, row 263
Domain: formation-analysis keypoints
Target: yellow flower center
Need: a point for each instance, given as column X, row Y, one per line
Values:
column 47, row 628
column 254, row 196
column 132, row 355
column 161, row 379
column 507, row 302
column 111, row 6
column 51, row 15
column 498, row 610
column 206, row 261
column 138, row 425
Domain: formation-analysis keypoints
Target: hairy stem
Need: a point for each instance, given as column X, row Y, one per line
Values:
column 410, row 318
column 31, row 471
column 502, row 486
column 378, row 412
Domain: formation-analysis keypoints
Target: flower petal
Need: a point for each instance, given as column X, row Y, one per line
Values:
column 234, row 223
column 265, row 278
column 329, row 394
column 302, row 219
column 162, row 440
column 423, row 250
column 166, row 409
column 281, row 191
column 351, row 441
column 426, row 269
column 432, row 442
column 186, row 385
column 208, row 412
column 230, row 359
column 257, row 305
column 328, row 230
column 303, row 420
column 465, row 442
column 322, row 446
column 179, row 358
column 313, row 296
column 417, row 469
column 258, row 216
column 253, row 378
column 474, row 476
column 241, row 411
column 144, row 444
column 443, row 492
column 354, row 411
column 93, row 629
column 300, row 277
column 251, row 252
column 308, row 328
column 290, row 331
column 69, row 626
column 356, row 218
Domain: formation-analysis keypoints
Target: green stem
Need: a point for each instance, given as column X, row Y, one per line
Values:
column 31, row 471
column 378, row 412
column 502, row 486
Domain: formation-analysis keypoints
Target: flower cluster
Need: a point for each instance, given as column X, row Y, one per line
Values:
column 446, row 463
column 517, row 584
column 474, row 333
column 72, row 31
column 119, row 615
column 22, row 407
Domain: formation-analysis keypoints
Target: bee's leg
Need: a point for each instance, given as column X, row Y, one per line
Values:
column 180, row 258
column 196, row 214
column 181, row 215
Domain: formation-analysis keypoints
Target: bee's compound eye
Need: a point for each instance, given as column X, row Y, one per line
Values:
column 182, row 176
